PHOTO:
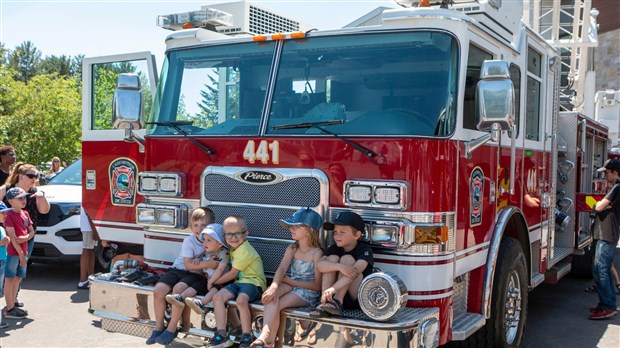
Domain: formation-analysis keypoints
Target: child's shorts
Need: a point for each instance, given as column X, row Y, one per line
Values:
column 13, row 269
column 254, row 292
column 349, row 303
column 194, row 280
column 2, row 266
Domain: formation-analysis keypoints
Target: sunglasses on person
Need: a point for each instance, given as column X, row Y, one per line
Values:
column 31, row 176
column 56, row 161
column 234, row 234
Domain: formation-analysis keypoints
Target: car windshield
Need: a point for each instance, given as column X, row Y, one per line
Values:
column 72, row 175
column 372, row 84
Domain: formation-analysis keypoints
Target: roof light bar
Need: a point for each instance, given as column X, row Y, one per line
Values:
column 280, row 36
column 204, row 18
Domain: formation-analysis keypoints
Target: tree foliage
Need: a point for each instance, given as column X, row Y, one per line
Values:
column 46, row 121
column 40, row 112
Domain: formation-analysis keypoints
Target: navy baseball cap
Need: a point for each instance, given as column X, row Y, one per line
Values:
column 16, row 192
column 304, row 216
column 347, row 218
column 610, row 164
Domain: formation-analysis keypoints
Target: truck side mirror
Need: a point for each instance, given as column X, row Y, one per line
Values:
column 495, row 96
column 127, row 104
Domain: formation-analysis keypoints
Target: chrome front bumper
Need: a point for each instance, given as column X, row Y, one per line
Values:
column 128, row 308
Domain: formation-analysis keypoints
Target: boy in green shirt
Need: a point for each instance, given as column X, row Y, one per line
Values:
column 247, row 272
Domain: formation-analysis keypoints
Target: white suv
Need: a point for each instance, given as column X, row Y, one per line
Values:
column 59, row 238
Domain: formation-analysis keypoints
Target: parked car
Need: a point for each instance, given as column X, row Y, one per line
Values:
column 59, row 238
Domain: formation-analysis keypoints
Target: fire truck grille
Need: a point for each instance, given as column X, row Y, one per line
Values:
column 262, row 222
column 301, row 192
column 263, row 205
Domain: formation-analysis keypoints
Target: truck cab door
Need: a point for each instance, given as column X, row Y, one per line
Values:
column 110, row 165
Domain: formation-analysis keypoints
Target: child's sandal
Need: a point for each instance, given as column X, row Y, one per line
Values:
column 333, row 307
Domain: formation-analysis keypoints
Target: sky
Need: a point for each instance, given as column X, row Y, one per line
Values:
column 97, row 28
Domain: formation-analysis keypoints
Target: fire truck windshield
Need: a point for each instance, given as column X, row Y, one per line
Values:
column 375, row 84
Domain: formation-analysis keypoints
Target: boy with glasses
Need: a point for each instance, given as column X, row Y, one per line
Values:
column 19, row 229
column 247, row 272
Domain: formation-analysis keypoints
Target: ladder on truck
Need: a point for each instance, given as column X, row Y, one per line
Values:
column 571, row 27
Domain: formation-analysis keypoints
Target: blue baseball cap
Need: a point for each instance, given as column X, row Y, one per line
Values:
column 216, row 232
column 4, row 208
column 304, row 216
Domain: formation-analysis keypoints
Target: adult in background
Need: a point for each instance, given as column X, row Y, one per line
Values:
column 25, row 176
column 607, row 233
column 56, row 167
column 87, row 259
column 7, row 159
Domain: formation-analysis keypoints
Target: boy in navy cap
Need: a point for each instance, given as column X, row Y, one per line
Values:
column 344, row 265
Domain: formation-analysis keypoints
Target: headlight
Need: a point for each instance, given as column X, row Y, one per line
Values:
column 145, row 216
column 381, row 295
column 161, row 184
column 376, row 194
column 359, row 193
column 387, row 195
column 174, row 216
column 166, row 217
column 147, row 183
column 386, row 235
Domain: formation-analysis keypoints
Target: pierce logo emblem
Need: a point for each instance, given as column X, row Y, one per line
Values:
column 258, row 177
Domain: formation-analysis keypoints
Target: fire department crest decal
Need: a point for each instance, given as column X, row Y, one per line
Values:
column 123, row 172
column 476, row 189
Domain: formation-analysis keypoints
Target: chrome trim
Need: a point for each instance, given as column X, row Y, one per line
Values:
column 501, row 222
column 403, row 186
column 130, row 304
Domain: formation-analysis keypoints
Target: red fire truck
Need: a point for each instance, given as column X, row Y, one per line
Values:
column 441, row 127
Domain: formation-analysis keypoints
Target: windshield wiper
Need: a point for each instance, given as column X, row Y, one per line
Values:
column 366, row 151
column 176, row 125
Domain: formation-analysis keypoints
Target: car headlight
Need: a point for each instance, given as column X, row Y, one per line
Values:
column 381, row 295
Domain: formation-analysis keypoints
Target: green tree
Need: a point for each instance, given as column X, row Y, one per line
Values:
column 25, row 60
column 8, row 88
column 60, row 65
column 46, row 121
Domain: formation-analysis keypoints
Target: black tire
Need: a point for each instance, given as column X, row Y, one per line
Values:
column 511, row 270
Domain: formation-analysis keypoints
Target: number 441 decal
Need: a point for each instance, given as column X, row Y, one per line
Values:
column 252, row 153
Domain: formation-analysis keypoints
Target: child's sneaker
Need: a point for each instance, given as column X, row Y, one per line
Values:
column 16, row 313
column 175, row 300
column 220, row 341
column 153, row 338
column 246, row 340
column 195, row 304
